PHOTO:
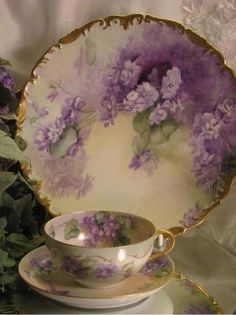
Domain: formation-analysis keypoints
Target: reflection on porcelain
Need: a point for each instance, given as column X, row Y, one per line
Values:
column 39, row 271
column 156, row 108
column 101, row 248
column 184, row 295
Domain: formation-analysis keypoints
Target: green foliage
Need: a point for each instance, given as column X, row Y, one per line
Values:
column 21, row 215
column 71, row 229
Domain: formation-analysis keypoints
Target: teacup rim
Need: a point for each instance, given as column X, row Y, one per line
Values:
column 100, row 248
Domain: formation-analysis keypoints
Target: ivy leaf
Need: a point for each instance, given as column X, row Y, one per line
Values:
column 23, row 180
column 21, row 242
column 169, row 126
column 71, row 229
column 9, row 116
column 5, row 261
column 60, row 148
column 21, row 143
column 7, row 99
column 10, row 150
column 140, row 122
column 6, row 180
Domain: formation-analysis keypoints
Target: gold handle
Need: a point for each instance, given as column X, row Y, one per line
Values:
column 170, row 238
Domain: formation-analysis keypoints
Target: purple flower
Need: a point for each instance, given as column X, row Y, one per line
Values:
column 95, row 234
column 146, row 159
column 151, row 267
column 41, row 139
column 153, row 78
column 111, row 228
column 42, row 263
column 130, row 73
column 171, row 83
column 211, row 126
column 105, row 271
column 148, row 92
column 159, row 114
column 78, row 145
column 72, row 265
column 195, row 308
column 206, row 167
column 71, row 111
column 53, row 94
column 108, row 110
column 225, row 110
column 143, row 97
column 54, row 130
column 6, row 79
column 192, row 216
column 175, row 106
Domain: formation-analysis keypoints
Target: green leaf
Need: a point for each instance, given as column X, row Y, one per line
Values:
column 10, row 150
column 22, row 242
column 140, row 142
column 6, row 180
column 71, row 229
column 9, row 116
column 21, row 143
column 23, row 180
column 3, row 223
column 5, row 62
column 157, row 135
column 60, row 148
column 169, row 126
column 5, row 261
column 140, row 122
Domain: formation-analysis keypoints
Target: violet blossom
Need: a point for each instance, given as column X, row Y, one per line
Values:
column 192, row 216
column 41, row 139
column 142, row 98
column 211, row 126
column 171, row 83
column 159, row 114
column 111, row 228
column 108, row 110
column 146, row 159
column 6, row 78
column 54, row 130
column 130, row 73
column 105, row 271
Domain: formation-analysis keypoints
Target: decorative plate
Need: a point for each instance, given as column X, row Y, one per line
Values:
column 179, row 296
column 38, row 271
column 134, row 114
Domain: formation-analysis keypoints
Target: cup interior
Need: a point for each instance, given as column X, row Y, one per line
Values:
column 99, row 229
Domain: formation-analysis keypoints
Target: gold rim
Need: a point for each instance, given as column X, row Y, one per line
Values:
column 124, row 21
column 179, row 276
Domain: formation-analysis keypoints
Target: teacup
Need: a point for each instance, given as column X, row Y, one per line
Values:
column 101, row 248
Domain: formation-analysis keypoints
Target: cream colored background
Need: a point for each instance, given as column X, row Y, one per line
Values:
column 29, row 27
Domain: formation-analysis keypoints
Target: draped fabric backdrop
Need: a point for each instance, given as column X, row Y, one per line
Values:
column 29, row 27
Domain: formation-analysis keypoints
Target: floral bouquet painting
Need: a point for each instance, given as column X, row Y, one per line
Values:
column 107, row 108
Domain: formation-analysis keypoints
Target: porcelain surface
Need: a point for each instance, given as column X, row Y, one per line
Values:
column 144, row 123
column 38, row 271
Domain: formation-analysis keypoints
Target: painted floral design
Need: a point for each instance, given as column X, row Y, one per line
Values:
column 161, row 85
column 199, row 308
column 192, row 216
column 42, row 266
column 157, row 268
column 101, row 228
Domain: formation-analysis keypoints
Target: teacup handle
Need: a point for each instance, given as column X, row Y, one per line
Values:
column 167, row 235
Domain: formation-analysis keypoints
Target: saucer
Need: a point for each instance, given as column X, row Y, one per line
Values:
column 38, row 271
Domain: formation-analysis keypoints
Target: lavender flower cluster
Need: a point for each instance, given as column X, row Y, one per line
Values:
column 83, row 267
column 107, row 228
column 174, row 79
column 50, row 135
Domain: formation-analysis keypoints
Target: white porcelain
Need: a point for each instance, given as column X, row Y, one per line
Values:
column 101, row 248
column 134, row 113
column 38, row 271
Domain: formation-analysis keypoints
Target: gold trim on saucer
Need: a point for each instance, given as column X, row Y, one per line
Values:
column 124, row 21
column 201, row 290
